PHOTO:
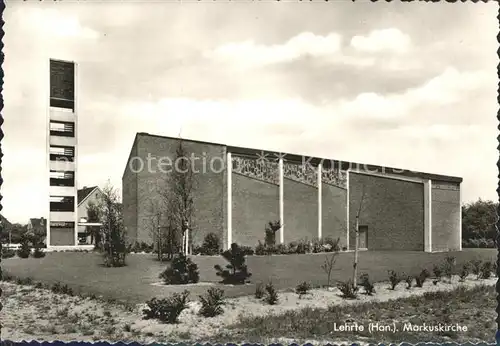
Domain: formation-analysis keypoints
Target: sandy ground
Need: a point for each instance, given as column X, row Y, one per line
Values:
column 36, row 314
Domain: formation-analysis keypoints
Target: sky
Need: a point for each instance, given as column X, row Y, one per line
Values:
column 407, row 85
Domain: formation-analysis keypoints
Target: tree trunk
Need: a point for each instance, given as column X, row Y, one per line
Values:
column 356, row 246
column 159, row 245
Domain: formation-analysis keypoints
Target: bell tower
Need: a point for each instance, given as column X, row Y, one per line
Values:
column 62, row 155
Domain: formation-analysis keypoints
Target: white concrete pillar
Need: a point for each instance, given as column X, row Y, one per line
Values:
column 460, row 219
column 282, row 217
column 47, row 158
column 229, row 180
column 76, row 108
column 320, row 201
column 428, row 215
column 183, row 246
column 347, row 210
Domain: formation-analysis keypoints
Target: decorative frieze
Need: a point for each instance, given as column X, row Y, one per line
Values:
column 261, row 169
column 445, row 186
column 303, row 173
column 334, row 177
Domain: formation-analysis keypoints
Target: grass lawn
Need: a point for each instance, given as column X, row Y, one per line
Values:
column 472, row 308
column 84, row 272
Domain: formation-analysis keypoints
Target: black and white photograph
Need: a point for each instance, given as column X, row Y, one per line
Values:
column 258, row 171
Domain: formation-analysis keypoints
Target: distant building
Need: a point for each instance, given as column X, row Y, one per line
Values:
column 86, row 196
column 38, row 226
column 239, row 190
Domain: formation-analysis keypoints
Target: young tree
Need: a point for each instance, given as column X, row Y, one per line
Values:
column 115, row 248
column 155, row 223
column 94, row 216
column 356, row 243
column 177, row 197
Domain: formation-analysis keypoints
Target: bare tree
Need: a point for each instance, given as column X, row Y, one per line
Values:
column 356, row 243
column 112, row 226
column 356, row 230
column 155, row 220
column 94, row 216
column 329, row 264
column 177, row 198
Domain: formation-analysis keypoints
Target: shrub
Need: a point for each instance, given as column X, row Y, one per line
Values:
column 7, row 277
column 449, row 266
column 479, row 243
column 302, row 289
column 409, row 281
column 24, row 281
column 8, row 253
column 236, row 271
column 167, row 310
column 212, row 302
column 494, row 267
column 420, row 278
column 325, row 245
column 303, row 247
column 25, row 248
column 247, row 250
column 181, row 271
column 211, row 245
column 464, row 272
column 328, row 265
column 475, row 266
column 67, row 290
column 270, row 232
column 292, row 247
column 394, row 279
column 259, row 291
column 280, row 249
column 299, row 247
column 486, row 270
column 38, row 253
column 438, row 272
column 38, row 245
column 271, row 294
column 331, row 245
column 61, row 289
column 348, row 290
column 260, row 249
column 367, row 285
column 38, row 285
column 317, row 246
column 56, row 288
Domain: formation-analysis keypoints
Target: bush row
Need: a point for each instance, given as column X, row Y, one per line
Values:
column 168, row 310
column 211, row 247
column 479, row 243
column 28, row 242
column 182, row 270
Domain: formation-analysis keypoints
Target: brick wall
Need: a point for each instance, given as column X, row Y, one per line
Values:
column 445, row 219
column 334, row 213
column 208, row 191
column 255, row 203
column 300, row 211
column 392, row 209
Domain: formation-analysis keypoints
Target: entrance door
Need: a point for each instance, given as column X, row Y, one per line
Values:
column 363, row 237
